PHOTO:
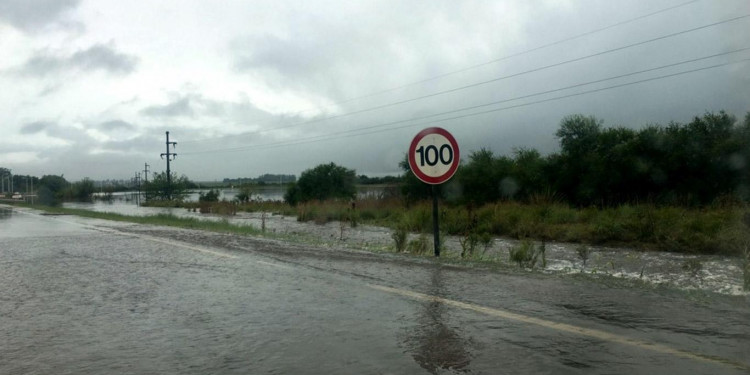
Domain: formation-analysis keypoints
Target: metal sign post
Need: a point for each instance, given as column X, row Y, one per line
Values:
column 434, row 158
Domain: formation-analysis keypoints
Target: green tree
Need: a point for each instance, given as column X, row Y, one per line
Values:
column 528, row 173
column 244, row 195
column 158, row 188
column 413, row 189
column 81, row 191
column 485, row 178
column 210, row 196
column 322, row 182
column 51, row 189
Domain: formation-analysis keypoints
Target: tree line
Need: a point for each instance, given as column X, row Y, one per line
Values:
column 692, row 164
column 687, row 164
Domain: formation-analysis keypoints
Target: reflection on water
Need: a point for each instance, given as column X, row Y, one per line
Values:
column 5, row 213
column 432, row 343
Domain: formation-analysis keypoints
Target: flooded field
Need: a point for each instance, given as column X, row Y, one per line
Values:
column 718, row 274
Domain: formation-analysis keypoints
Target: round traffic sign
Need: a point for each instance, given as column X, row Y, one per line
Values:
column 433, row 155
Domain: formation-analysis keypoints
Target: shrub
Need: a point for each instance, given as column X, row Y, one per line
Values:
column 399, row 238
column 583, row 252
column 526, row 255
column 210, row 196
column 469, row 243
column 322, row 182
column 419, row 245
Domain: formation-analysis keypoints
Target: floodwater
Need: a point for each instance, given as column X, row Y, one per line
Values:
column 84, row 296
column 263, row 193
column 720, row 274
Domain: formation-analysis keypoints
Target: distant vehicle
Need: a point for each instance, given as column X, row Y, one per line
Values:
column 17, row 196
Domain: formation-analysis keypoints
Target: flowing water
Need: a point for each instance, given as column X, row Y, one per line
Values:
column 713, row 273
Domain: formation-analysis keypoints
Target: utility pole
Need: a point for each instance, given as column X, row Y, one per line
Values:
column 145, row 172
column 138, row 186
column 170, row 156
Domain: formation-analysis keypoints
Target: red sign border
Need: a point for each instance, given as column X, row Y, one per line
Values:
column 413, row 162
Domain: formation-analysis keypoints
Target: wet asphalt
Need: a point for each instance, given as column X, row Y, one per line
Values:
column 82, row 296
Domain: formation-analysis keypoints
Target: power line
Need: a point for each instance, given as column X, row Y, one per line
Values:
column 481, row 83
column 506, row 57
column 358, row 132
column 497, row 60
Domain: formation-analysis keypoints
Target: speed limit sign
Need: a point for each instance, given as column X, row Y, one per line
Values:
column 434, row 156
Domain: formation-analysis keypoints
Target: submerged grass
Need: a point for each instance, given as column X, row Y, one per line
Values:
column 222, row 226
column 708, row 230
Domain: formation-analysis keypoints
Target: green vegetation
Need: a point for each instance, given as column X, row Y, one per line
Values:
column 162, row 219
column 708, row 230
column 696, row 164
column 209, row 196
column 325, row 181
column 244, row 195
column 681, row 188
column 52, row 190
column 399, row 235
column 159, row 189
column 419, row 245
column 527, row 255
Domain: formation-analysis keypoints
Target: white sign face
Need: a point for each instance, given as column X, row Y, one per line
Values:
column 433, row 155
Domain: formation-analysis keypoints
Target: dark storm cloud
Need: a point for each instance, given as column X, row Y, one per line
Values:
column 36, row 127
column 33, row 15
column 97, row 57
column 116, row 125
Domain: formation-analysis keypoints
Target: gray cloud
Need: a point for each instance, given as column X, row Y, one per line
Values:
column 142, row 143
column 33, row 15
column 180, row 107
column 116, row 125
column 97, row 57
column 36, row 127
column 194, row 104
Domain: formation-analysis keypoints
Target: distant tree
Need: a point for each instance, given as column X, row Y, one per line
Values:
column 322, row 182
column 292, row 195
column 483, row 177
column 528, row 173
column 81, row 191
column 158, row 189
column 210, row 196
column 51, row 189
column 244, row 195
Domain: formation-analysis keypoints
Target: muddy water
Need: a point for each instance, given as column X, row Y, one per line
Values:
column 86, row 296
column 718, row 274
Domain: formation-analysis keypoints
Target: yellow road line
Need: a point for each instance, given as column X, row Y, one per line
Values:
column 569, row 328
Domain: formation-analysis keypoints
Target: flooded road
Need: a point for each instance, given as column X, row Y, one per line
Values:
column 714, row 273
column 82, row 296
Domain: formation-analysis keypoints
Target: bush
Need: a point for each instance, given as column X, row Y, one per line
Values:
column 399, row 236
column 210, row 196
column 322, row 182
column 526, row 255
column 419, row 246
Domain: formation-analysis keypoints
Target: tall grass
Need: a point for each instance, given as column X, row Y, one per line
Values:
column 222, row 226
column 646, row 226
column 708, row 230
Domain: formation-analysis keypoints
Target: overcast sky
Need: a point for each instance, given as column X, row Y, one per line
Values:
column 89, row 88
